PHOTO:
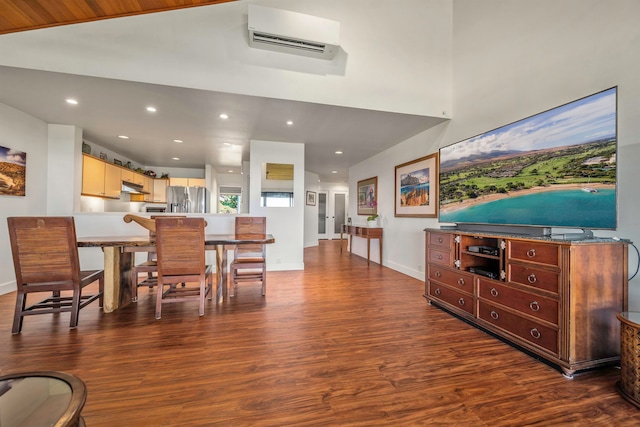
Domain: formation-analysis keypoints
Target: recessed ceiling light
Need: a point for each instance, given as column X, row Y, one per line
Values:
column 179, row 141
column 289, row 123
column 224, row 116
column 334, row 171
column 227, row 143
column 175, row 158
column 230, row 171
column 123, row 137
column 151, row 109
column 338, row 152
column 72, row 101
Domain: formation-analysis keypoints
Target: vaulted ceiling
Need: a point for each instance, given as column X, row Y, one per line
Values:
column 22, row 15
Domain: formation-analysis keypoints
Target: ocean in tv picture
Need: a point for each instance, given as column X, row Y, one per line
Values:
column 570, row 208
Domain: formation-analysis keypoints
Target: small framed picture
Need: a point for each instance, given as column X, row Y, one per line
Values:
column 117, row 162
column 368, row 196
column 311, row 198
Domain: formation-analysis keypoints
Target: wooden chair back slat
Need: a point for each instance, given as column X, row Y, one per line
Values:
column 44, row 249
column 180, row 246
column 45, row 259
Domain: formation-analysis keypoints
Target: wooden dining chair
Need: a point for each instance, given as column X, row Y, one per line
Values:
column 181, row 259
column 249, row 263
column 148, row 268
column 45, row 259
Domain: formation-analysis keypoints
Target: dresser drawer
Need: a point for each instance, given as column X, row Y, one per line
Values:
column 459, row 300
column 441, row 240
column 438, row 256
column 535, row 277
column 455, row 278
column 533, row 332
column 539, row 253
column 525, row 302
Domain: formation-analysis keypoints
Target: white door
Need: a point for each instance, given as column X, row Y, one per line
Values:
column 332, row 213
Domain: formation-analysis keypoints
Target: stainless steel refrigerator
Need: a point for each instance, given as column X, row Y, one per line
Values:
column 187, row 199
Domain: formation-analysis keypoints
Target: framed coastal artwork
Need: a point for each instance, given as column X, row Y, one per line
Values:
column 416, row 188
column 13, row 172
column 311, row 198
column 368, row 196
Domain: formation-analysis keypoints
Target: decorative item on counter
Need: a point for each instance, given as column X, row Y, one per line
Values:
column 86, row 148
column 117, row 162
column 165, row 176
column 150, row 173
column 103, row 156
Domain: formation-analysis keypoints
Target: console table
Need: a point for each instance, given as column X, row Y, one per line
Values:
column 364, row 232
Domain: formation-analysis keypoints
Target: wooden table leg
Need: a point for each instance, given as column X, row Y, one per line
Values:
column 222, row 289
column 117, row 278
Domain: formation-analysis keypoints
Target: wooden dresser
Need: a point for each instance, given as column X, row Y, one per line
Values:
column 554, row 298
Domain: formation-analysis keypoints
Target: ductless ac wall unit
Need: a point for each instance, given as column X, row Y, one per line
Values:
column 292, row 32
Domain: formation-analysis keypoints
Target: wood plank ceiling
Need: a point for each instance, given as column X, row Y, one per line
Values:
column 23, row 15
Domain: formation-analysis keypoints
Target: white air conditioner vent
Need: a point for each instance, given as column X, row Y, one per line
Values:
column 292, row 32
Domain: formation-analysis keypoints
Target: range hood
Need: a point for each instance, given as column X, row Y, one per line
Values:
column 132, row 187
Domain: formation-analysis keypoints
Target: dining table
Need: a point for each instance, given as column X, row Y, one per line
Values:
column 119, row 260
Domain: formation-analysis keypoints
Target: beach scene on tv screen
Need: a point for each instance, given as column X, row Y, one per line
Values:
column 557, row 168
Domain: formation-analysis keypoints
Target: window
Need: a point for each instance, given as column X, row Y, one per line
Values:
column 276, row 199
column 229, row 199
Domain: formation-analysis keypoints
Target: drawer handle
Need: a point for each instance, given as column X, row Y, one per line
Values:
column 437, row 291
column 531, row 253
column 532, row 278
column 461, row 301
column 439, row 256
column 535, row 333
column 438, row 274
column 461, row 281
column 439, row 239
column 534, row 306
column 494, row 315
column 494, row 292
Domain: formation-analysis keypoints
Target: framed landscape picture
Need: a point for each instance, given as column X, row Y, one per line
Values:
column 416, row 188
column 13, row 172
column 368, row 196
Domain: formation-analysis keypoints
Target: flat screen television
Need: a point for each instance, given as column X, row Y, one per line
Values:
column 554, row 169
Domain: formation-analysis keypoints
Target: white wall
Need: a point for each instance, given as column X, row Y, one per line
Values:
column 311, row 212
column 512, row 60
column 286, row 224
column 403, row 238
column 393, row 58
column 24, row 133
column 515, row 59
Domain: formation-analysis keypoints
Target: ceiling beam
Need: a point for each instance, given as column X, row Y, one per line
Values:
column 24, row 15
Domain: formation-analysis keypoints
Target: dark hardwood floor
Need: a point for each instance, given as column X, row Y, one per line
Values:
column 338, row 344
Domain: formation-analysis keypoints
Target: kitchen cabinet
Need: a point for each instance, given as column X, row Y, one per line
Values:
column 554, row 298
column 100, row 179
column 127, row 175
column 112, row 181
column 180, row 182
column 147, row 187
column 160, row 190
column 187, row 182
column 196, row 182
